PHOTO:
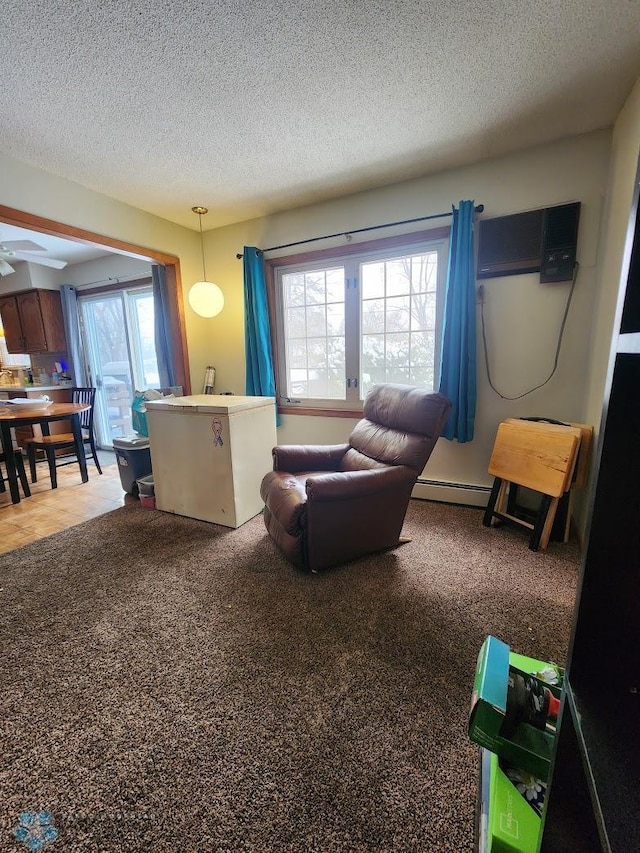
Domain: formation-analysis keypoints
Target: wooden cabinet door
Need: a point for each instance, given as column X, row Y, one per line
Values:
column 32, row 323
column 11, row 324
column 53, row 319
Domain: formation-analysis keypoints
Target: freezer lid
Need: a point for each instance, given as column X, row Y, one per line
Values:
column 215, row 403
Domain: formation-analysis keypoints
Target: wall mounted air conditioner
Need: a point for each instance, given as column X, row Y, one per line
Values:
column 542, row 240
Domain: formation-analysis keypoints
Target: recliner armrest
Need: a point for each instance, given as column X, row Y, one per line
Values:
column 346, row 485
column 308, row 457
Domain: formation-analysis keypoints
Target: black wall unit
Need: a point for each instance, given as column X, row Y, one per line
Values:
column 541, row 240
column 594, row 791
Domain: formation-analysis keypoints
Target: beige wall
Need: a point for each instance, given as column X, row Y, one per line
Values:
column 42, row 194
column 522, row 316
column 625, row 149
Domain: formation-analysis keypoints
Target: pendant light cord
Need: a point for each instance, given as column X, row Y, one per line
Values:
column 204, row 269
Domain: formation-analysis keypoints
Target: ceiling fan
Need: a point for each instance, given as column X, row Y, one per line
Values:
column 24, row 250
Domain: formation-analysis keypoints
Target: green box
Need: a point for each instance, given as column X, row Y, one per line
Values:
column 526, row 747
column 509, row 824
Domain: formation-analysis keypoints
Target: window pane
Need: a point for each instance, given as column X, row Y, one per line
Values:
column 144, row 346
column 315, row 289
column 335, row 319
column 316, row 320
column 335, row 285
column 424, row 272
column 423, row 311
column 317, row 358
column 314, row 330
column 372, row 367
column 298, row 384
column 398, row 331
column 296, row 322
column 318, row 384
column 372, row 280
column 397, row 350
column 398, row 374
column 398, row 276
column 293, row 284
column 335, row 357
column 422, row 344
column 372, row 316
column 298, row 353
column 398, row 314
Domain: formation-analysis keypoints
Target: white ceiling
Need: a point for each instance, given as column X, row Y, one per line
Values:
column 56, row 247
column 253, row 106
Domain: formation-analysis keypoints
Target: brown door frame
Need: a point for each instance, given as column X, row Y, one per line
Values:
column 171, row 263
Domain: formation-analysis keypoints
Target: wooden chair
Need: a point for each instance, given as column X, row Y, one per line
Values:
column 51, row 443
column 22, row 476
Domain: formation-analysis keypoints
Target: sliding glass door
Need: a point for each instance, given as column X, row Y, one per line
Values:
column 118, row 333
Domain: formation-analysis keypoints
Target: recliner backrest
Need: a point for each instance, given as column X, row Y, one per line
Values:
column 401, row 425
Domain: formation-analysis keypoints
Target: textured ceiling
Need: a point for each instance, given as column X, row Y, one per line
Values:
column 254, row 107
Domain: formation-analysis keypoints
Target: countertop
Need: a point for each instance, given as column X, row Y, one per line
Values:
column 25, row 388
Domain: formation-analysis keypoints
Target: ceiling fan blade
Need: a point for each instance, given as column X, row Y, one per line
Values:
column 34, row 259
column 20, row 246
column 5, row 268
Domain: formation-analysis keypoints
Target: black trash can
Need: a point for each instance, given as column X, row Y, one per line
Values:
column 134, row 460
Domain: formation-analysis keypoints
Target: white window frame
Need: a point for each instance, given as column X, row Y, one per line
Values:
column 351, row 259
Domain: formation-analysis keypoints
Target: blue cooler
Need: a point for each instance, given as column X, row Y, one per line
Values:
column 134, row 460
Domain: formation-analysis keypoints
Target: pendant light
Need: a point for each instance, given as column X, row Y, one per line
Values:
column 206, row 298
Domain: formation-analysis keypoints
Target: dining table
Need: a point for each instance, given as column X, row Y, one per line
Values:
column 14, row 417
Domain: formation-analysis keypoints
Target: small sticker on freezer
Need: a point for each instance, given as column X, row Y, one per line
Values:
column 216, row 428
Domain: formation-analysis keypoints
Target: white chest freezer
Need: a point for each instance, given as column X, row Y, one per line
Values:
column 209, row 453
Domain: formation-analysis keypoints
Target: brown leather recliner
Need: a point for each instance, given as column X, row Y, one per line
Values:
column 326, row 505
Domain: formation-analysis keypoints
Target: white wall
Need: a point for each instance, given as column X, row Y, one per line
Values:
column 522, row 316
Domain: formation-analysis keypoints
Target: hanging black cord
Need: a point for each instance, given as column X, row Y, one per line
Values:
column 478, row 209
column 555, row 362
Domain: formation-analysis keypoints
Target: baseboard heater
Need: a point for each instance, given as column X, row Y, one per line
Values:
column 453, row 493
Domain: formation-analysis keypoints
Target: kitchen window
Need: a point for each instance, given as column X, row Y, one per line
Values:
column 346, row 322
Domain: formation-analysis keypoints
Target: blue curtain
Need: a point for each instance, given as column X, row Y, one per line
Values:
column 162, row 330
column 260, row 380
column 458, row 353
column 69, row 297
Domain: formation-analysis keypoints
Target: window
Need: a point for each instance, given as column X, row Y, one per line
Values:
column 348, row 322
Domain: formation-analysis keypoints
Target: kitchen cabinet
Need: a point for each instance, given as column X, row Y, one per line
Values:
column 592, row 801
column 33, row 321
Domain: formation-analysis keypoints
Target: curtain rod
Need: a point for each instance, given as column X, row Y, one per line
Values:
column 478, row 209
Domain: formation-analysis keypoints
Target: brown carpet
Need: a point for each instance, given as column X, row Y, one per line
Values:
column 170, row 685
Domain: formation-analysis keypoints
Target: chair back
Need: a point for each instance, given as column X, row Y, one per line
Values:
column 85, row 395
column 401, row 425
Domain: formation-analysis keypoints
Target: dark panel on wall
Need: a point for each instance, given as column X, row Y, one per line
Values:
column 541, row 240
column 510, row 244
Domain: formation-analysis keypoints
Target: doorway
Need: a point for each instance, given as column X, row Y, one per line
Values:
column 171, row 263
column 118, row 336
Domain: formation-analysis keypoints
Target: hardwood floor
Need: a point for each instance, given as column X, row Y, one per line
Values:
column 50, row 510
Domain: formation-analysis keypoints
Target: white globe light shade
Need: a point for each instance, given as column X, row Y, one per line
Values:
column 206, row 298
